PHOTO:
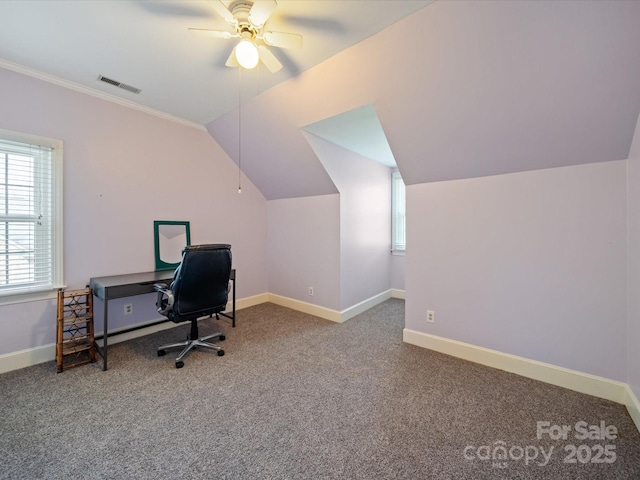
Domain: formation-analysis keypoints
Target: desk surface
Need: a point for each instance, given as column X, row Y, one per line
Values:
column 130, row 284
column 118, row 286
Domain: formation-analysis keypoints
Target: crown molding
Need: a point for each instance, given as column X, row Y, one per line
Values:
column 96, row 93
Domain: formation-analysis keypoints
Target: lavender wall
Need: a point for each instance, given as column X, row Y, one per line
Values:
column 398, row 267
column 365, row 221
column 532, row 264
column 304, row 249
column 633, row 218
column 123, row 169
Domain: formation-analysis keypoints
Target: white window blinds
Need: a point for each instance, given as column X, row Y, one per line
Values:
column 30, row 247
column 397, row 213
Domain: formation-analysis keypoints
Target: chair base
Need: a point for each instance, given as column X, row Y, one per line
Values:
column 190, row 345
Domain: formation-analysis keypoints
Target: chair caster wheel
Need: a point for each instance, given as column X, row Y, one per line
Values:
column 179, row 364
column 220, row 353
column 161, row 353
column 222, row 338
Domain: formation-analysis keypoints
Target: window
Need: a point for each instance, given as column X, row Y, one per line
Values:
column 30, row 216
column 398, row 243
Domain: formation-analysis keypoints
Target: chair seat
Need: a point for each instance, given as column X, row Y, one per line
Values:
column 200, row 288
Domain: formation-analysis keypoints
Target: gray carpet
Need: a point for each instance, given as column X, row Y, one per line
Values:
column 298, row 397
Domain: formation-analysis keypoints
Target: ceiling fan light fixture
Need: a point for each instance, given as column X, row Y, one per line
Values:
column 247, row 54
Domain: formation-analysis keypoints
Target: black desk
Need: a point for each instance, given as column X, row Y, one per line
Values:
column 119, row 286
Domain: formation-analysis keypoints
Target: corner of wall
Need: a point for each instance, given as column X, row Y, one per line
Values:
column 633, row 270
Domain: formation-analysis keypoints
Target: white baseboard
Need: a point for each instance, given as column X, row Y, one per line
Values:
column 46, row 353
column 27, row 357
column 249, row 301
column 363, row 306
column 330, row 314
column 563, row 377
column 601, row 387
column 633, row 406
column 395, row 293
column 581, row 382
column 310, row 308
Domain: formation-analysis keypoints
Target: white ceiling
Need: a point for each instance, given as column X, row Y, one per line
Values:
column 146, row 44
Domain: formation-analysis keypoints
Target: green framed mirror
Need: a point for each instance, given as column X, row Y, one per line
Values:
column 170, row 238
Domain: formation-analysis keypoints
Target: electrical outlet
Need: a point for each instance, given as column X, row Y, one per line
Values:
column 128, row 308
column 431, row 316
column 311, row 291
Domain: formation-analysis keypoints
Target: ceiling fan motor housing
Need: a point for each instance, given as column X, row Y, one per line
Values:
column 248, row 19
column 240, row 10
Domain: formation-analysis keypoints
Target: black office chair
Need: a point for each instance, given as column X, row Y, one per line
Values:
column 200, row 288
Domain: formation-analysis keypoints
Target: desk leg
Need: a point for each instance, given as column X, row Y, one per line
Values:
column 102, row 350
column 105, row 337
column 233, row 322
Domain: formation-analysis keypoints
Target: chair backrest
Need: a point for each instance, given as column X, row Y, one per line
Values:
column 201, row 283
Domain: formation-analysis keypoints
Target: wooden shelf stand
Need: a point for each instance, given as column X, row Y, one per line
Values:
column 74, row 334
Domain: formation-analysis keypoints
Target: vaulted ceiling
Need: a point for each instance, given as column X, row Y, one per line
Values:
column 460, row 88
column 146, row 44
column 358, row 130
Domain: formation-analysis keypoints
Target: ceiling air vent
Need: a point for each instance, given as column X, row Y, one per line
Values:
column 115, row 83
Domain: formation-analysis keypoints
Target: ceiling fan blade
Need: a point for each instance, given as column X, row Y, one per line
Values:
column 283, row 40
column 261, row 11
column 223, row 11
column 232, row 61
column 205, row 32
column 269, row 59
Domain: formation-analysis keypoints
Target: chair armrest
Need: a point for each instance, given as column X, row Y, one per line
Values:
column 164, row 303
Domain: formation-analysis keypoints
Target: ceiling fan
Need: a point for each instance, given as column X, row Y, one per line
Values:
column 248, row 19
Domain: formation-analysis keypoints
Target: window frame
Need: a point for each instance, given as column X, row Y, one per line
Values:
column 34, row 292
column 397, row 247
